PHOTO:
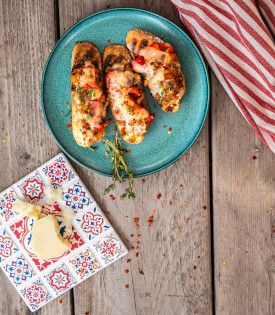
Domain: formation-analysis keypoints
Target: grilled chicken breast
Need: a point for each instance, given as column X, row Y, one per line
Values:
column 125, row 94
column 88, row 99
column 159, row 64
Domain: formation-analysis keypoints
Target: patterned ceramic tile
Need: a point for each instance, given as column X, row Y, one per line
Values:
column 18, row 270
column 7, row 201
column 109, row 248
column 58, row 172
column 36, row 295
column 76, row 197
column 33, row 188
column 60, row 279
column 84, row 264
column 7, row 246
column 92, row 223
column 22, row 230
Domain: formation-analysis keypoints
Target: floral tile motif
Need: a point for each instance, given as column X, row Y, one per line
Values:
column 22, row 230
column 92, row 223
column 7, row 246
column 76, row 197
column 36, row 295
column 33, row 188
column 19, row 270
column 109, row 248
column 60, row 279
column 84, row 264
column 58, row 172
column 7, row 201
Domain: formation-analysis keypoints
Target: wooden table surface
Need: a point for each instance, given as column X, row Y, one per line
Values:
column 221, row 263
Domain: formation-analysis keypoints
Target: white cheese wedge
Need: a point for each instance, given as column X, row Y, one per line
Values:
column 27, row 209
column 46, row 241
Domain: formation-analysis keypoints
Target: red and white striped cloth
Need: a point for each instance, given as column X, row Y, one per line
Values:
column 240, row 50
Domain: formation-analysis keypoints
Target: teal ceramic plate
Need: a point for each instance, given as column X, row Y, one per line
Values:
column 159, row 149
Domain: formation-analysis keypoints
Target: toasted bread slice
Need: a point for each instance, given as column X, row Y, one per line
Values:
column 160, row 67
column 126, row 94
column 88, row 100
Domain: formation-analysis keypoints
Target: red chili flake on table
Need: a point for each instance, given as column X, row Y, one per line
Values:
column 132, row 235
column 108, row 40
column 195, row 267
column 199, row 256
column 204, row 207
column 164, row 127
column 143, row 181
column 254, row 157
column 69, row 125
column 34, row 104
column 138, row 235
column 67, row 103
column 170, row 203
column 108, row 6
column 126, row 270
column 127, row 240
column 87, row 313
column 127, row 286
column 150, row 221
column 186, row 154
column 133, row 247
column 170, row 128
column 136, row 222
column 163, row 255
column 128, row 260
column 137, row 254
column 158, row 196
column 20, row 114
column 246, row 251
column 181, row 186
column 187, row 219
column 138, row 242
column 129, row 151
column 60, row 301
column 112, row 197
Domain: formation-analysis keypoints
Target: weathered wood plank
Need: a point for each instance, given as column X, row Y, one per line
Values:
column 243, row 192
column 166, row 286
column 27, row 31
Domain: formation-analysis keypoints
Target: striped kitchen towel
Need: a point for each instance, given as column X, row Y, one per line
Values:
column 239, row 48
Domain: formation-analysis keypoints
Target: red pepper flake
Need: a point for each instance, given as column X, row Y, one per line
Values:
column 60, row 301
column 265, row 239
column 158, row 196
column 170, row 203
column 137, row 254
column 27, row 168
column 34, row 104
column 108, row 40
column 126, row 271
column 138, row 242
column 204, row 207
column 128, row 261
column 195, row 267
column 112, row 197
column 143, row 181
column 137, row 248
column 170, row 128
column 132, row 235
column 127, row 286
column 87, row 313
column 107, row 212
column 187, row 219
column 133, row 247
column 254, row 157
column 186, row 154
column 164, row 127
column 138, row 235
column 126, row 216
column 246, row 251
column 190, row 277
column 181, row 186
column 163, row 255
column 136, row 222
column 199, row 256
column 20, row 114
column 129, row 151
column 69, row 125
column 67, row 103
column 103, row 142
column 150, row 221
column 127, row 240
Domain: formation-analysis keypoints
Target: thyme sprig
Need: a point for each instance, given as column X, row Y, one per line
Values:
column 117, row 150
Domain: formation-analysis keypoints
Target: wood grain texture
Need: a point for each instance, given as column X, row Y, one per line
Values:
column 27, row 32
column 157, row 284
column 243, row 192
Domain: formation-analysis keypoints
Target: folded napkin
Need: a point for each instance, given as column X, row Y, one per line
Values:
column 240, row 50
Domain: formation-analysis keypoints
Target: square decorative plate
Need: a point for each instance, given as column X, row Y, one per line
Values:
column 95, row 244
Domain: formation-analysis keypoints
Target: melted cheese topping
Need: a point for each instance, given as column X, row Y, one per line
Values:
column 125, row 109
column 89, row 110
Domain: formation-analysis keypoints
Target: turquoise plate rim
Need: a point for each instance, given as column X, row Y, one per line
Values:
column 206, row 77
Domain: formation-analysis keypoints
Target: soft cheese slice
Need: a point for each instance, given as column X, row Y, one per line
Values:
column 46, row 241
column 27, row 209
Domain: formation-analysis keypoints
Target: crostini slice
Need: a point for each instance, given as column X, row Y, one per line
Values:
column 88, row 99
column 159, row 64
column 125, row 94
